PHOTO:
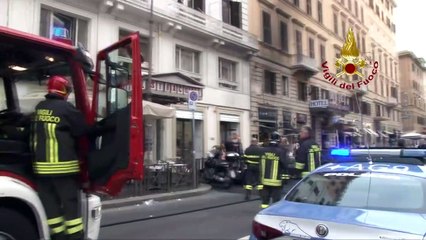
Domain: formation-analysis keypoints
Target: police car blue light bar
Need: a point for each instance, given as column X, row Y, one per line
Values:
column 340, row 152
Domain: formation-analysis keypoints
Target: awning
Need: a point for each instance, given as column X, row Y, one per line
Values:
column 371, row 132
column 157, row 111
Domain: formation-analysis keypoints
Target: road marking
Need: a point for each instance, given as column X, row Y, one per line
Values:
column 245, row 238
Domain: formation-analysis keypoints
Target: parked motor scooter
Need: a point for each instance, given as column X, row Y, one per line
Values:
column 237, row 167
column 216, row 171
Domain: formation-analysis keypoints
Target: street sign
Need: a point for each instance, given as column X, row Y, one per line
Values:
column 192, row 100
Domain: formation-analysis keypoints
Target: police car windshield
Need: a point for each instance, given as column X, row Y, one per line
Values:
column 366, row 190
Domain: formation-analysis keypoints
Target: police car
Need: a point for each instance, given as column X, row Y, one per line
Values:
column 361, row 194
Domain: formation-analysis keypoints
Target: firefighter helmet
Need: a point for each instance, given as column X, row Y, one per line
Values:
column 275, row 136
column 59, row 85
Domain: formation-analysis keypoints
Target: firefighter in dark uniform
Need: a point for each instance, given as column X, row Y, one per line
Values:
column 56, row 126
column 252, row 157
column 308, row 153
column 273, row 170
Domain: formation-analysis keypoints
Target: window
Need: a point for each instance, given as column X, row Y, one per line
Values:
column 322, row 52
column 311, row 48
column 227, row 70
column 382, row 86
column 413, row 67
column 363, row 44
column 299, row 46
column 284, row 36
column 270, row 82
column 267, row 38
column 420, row 120
column 362, row 15
column 325, row 94
column 371, row 4
column 319, row 8
column 144, row 45
column 296, row 2
column 231, row 12
column 336, row 53
column 194, row 4
column 363, row 190
column 286, row 86
column 187, row 60
column 343, row 29
column 336, row 27
column 377, row 11
column 394, row 92
column 309, row 7
column 356, row 8
column 378, row 110
column 315, row 93
column 77, row 27
column 350, row 5
column 302, row 91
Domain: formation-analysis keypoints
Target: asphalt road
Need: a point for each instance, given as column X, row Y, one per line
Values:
column 208, row 216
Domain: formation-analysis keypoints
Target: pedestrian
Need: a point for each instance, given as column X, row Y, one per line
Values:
column 56, row 126
column 308, row 153
column 252, row 157
column 273, row 170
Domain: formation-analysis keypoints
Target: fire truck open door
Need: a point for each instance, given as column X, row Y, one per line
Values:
column 117, row 153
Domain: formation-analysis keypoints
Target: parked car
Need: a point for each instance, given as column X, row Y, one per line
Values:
column 363, row 194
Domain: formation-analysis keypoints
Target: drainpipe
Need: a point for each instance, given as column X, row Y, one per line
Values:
column 148, row 85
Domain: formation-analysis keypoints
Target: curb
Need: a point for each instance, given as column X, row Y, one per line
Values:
column 115, row 203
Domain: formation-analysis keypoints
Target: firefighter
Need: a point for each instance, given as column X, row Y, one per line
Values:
column 252, row 157
column 308, row 153
column 273, row 170
column 56, row 126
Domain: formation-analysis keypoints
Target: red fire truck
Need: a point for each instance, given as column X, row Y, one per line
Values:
column 101, row 94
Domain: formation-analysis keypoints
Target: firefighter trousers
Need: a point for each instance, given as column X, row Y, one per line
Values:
column 61, row 199
column 252, row 177
column 269, row 192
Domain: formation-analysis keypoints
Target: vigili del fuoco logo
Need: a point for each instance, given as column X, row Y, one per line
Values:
column 350, row 63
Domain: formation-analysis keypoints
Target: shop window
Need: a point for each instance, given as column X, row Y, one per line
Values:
column 187, row 60
column 231, row 12
column 270, row 82
column 184, row 139
column 51, row 20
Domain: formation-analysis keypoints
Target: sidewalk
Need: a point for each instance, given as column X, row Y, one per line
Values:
column 202, row 189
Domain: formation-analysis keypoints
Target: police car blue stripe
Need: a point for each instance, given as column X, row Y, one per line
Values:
column 375, row 167
column 402, row 222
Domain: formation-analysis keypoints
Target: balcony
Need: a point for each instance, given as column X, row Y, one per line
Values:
column 175, row 15
column 361, row 91
column 392, row 102
column 304, row 65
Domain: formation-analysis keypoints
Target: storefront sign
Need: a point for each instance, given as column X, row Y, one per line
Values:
column 326, row 104
column 267, row 114
column 171, row 89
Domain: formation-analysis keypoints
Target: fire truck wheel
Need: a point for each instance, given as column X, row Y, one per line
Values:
column 16, row 226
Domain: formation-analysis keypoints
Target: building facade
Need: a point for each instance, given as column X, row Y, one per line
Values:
column 200, row 45
column 412, row 70
column 298, row 41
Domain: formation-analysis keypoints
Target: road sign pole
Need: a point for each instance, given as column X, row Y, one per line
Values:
column 194, row 165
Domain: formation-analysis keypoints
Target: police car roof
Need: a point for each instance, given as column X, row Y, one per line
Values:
column 405, row 169
column 395, row 160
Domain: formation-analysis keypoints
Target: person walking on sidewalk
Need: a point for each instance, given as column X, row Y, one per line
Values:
column 252, row 157
column 273, row 170
column 308, row 154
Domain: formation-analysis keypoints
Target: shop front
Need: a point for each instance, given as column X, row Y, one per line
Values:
column 268, row 118
column 229, row 124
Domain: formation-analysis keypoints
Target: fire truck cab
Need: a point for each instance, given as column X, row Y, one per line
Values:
column 109, row 95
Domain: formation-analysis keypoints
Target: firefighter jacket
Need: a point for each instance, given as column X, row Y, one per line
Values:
column 252, row 155
column 273, row 166
column 308, row 156
column 56, row 126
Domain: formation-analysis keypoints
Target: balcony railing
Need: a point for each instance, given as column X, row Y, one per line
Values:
column 392, row 101
column 306, row 64
column 169, row 9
